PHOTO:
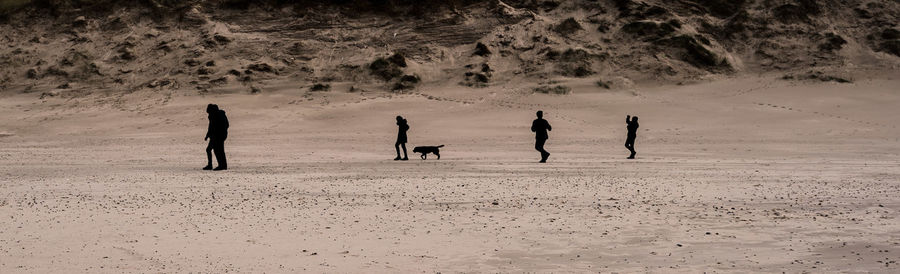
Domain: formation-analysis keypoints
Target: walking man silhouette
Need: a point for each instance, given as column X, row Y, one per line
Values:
column 216, row 134
column 632, row 125
column 540, row 128
column 403, row 126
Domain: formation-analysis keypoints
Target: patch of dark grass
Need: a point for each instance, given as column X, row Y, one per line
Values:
column 320, row 87
column 481, row 50
column 559, row 90
column 816, row 75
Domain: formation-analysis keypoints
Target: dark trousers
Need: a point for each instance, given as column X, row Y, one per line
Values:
column 629, row 144
column 539, row 146
column 217, row 146
column 397, row 146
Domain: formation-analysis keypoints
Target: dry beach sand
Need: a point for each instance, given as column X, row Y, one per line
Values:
column 750, row 174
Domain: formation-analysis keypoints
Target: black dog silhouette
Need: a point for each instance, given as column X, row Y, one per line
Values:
column 425, row 150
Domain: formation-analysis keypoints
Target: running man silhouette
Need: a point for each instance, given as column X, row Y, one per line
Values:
column 216, row 134
column 540, row 128
column 632, row 125
column 403, row 126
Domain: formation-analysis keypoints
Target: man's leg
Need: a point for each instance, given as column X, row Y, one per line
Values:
column 629, row 144
column 219, row 149
column 539, row 146
column 224, row 159
column 405, row 156
column 208, row 156
column 544, row 153
column 397, row 147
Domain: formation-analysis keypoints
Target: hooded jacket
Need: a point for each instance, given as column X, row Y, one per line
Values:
column 218, row 125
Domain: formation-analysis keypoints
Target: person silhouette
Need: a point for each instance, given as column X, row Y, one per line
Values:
column 632, row 125
column 403, row 126
column 540, row 128
column 216, row 134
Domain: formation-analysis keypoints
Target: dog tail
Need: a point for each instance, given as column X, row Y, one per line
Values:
column 440, row 146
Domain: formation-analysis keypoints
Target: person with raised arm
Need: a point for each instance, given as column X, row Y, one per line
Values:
column 632, row 126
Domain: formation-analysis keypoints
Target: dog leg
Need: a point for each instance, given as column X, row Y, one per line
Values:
column 438, row 153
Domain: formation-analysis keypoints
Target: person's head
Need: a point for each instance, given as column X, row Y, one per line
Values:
column 540, row 114
column 634, row 118
column 399, row 118
column 211, row 108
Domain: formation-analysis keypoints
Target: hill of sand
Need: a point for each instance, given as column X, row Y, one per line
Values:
column 768, row 138
column 73, row 47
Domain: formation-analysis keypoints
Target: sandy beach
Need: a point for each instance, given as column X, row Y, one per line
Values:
column 747, row 174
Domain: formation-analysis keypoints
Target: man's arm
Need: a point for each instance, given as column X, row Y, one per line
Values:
column 548, row 126
column 628, row 119
column 534, row 126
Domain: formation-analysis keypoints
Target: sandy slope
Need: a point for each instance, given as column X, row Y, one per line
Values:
column 747, row 175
